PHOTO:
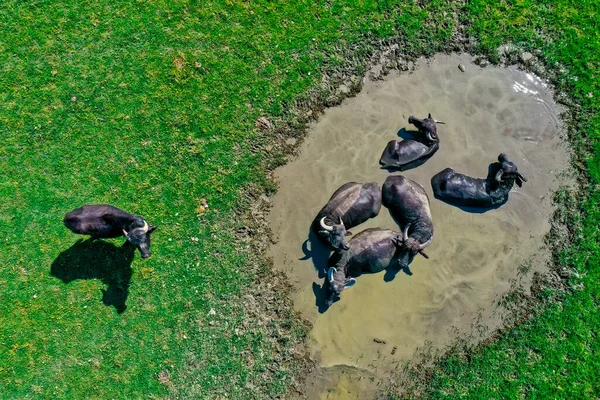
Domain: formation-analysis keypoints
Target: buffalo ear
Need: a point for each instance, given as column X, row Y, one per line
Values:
column 348, row 233
column 152, row 228
column 429, row 116
column 350, row 283
column 519, row 182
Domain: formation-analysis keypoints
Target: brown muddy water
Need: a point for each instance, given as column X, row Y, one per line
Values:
column 474, row 257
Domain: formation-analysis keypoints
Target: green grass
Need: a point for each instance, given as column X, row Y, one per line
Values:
column 150, row 106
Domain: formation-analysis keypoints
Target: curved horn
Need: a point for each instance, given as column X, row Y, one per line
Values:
column 439, row 122
column 330, row 273
column 325, row 226
column 125, row 232
column 146, row 227
column 498, row 176
column 405, row 232
column 521, row 177
column 427, row 243
column 342, row 222
column 429, row 137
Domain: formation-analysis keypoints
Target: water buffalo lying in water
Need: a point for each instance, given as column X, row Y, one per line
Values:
column 371, row 250
column 351, row 205
column 106, row 221
column 462, row 190
column 409, row 205
column 410, row 153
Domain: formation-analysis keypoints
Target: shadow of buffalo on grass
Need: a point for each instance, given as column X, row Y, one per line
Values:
column 97, row 259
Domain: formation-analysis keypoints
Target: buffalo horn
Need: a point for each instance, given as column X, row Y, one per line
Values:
column 428, row 134
column 325, row 226
column 498, row 176
column 405, row 232
column 342, row 222
column 330, row 273
column 146, row 227
column 427, row 243
column 125, row 232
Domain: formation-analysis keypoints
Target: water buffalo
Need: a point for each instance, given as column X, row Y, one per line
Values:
column 371, row 250
column 352, row 204
column 462, row 190
column 106, row 221
column 409, row 205
column 410, row 153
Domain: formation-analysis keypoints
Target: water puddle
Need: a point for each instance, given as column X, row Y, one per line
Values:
column 386, row 317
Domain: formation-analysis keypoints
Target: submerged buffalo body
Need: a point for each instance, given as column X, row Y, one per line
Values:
column 350, row 205
column 371, row 250
column 462, row 190
column 407, row 154
column 409, row 205
column 105, row 221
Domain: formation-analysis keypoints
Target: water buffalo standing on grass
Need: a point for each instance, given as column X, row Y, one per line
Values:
column 410, row 153
column 462, row 190
column 409, row 205
column 105, row 221
column 352, row 204
column 371, row 250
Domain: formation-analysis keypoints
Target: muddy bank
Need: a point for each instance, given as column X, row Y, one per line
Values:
column 474, row 256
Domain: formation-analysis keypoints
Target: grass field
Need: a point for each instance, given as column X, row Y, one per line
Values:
column 151, row 106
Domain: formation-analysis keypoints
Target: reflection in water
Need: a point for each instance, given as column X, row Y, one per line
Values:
column 473, row 256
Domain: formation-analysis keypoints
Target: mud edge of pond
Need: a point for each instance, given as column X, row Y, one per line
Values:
column 279, row 139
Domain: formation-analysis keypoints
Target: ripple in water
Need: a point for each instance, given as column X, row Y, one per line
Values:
column 473, row 257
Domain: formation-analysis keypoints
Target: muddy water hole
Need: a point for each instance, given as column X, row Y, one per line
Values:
column 475, row 257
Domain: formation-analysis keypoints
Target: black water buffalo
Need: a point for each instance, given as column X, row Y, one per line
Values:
column 462, row 190
column 351, row 205
column 410, row 153
column 106, row 221
column 409, row 205
column 371, row 250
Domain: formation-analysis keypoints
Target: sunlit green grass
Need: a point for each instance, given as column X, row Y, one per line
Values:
column 151, row 106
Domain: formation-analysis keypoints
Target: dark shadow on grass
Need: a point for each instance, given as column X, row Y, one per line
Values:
column 97, row 259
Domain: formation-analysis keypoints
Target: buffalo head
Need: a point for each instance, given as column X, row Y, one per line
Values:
column 335, row 234
column 338, row 282
column 508, row 170
column 428, row 126
column 407, row 247
column 140, row 238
